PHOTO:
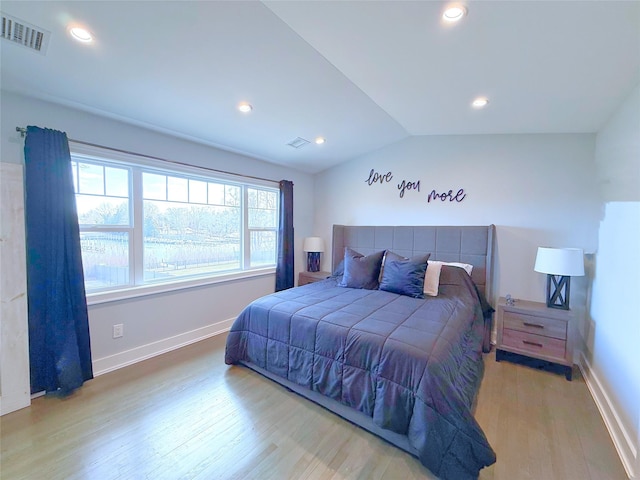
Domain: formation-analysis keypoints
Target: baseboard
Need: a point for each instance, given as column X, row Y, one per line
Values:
column 10, row 403
column 138, row 354
column 622, row 440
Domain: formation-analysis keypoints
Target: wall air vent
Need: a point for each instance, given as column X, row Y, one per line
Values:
column 22, row 33
column 298, row 142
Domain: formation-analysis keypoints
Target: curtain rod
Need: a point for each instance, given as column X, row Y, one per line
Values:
column 23, row 132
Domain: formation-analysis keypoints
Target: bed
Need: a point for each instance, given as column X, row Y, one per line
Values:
column 404, row 368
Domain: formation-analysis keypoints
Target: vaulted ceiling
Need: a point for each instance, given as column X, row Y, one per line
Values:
column 362, row 74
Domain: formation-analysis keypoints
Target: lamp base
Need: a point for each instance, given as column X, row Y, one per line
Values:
column 558, row 291
column 313, row 261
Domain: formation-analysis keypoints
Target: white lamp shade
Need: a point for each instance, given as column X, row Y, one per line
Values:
column 313, row 244
column 560, row 261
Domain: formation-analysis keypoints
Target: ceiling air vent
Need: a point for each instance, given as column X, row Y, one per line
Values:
column 23, row 33
column 298, row 142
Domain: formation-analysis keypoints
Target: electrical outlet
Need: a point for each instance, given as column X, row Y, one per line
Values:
column 118, row 330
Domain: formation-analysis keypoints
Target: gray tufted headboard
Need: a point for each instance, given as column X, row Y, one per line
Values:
column 467, row 244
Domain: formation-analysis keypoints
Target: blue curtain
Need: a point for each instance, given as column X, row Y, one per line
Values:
column 285, row 268
column 59, row 346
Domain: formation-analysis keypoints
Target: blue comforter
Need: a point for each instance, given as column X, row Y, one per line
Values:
column 413, row 365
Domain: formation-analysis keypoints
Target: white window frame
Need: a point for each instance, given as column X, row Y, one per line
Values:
column 138, row 165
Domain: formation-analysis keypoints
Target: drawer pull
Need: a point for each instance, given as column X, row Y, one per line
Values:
column 534, row 344
column 534, row 325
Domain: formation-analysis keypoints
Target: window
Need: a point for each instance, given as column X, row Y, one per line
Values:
column 141, row 225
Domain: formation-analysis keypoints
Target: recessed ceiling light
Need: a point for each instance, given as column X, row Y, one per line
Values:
column 453, row 13
column 320, row 140
column 245, row 107
column 81, row 34
column 480, row 102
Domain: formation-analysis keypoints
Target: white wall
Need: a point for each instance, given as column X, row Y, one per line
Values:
column 611, row 349
column 158, row 322
column 537, row 189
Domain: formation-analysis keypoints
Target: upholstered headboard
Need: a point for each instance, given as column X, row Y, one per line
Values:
column 467, row 244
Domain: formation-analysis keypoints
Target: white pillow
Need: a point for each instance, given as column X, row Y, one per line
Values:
column 432, row 277
column 467, row 268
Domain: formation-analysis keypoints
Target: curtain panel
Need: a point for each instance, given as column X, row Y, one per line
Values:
column 285, row 265
column 59, row 344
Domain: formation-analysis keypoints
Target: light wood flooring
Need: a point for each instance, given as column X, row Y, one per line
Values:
column 186, row 415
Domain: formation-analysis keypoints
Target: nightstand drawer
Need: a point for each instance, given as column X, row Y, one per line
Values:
column 548, row 327
column 537, row 344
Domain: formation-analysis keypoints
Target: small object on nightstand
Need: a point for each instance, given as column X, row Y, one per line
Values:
column 510, row 301
column 310, row 277
column 530, row 329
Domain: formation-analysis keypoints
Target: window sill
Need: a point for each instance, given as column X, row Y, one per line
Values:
column 146, row 290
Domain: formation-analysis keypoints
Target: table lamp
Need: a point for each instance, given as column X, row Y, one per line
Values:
column 313, row 246
column 560, row 264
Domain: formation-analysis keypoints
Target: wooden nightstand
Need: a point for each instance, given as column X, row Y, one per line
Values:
column 310, row 277
column 536, row 331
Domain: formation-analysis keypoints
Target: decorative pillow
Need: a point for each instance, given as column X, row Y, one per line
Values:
column 389, row 255
column 404, row 276
column 361, row 271
column 432, row 277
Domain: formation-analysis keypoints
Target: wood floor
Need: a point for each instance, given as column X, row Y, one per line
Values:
column 186, row 415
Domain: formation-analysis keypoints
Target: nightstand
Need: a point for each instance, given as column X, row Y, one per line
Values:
column 310, row 277
column 536, row 331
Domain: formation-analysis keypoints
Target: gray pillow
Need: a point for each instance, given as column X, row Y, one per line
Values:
column 361, row 271
column 404, row 276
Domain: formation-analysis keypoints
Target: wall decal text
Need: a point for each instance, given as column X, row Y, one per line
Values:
column 375, row 177
column 407, row 185
column 458, row 197
column 414, row 185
